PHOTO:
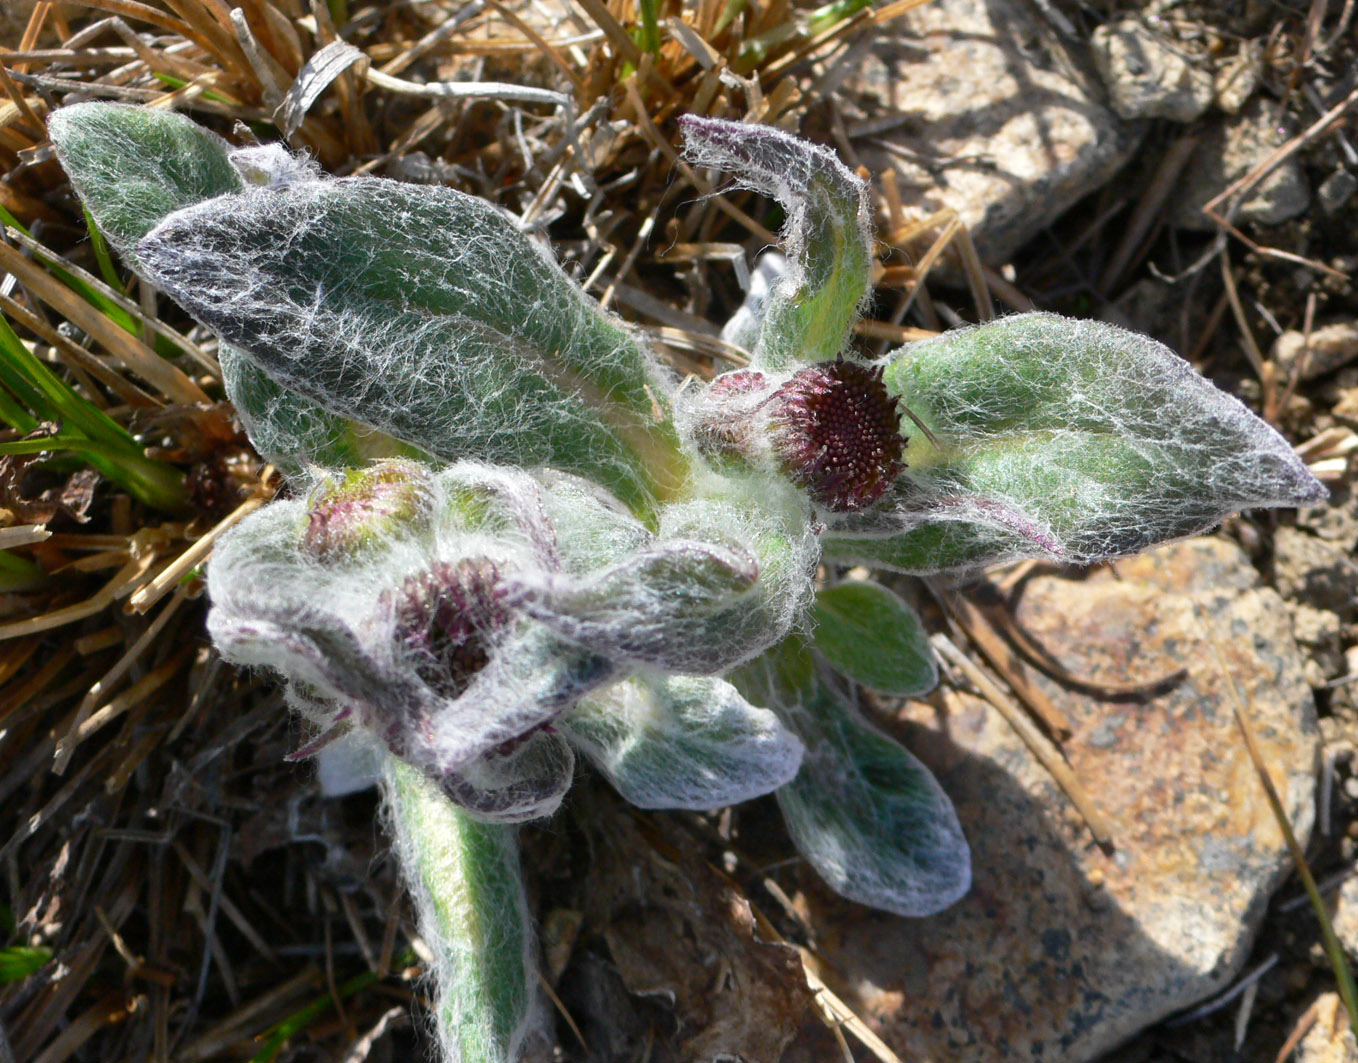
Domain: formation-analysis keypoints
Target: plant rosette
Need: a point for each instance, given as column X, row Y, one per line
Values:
column 513, row 539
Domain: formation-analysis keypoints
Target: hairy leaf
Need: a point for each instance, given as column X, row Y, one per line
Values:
column 682, row 742
column 806, row 317
column 873, row 637
column 133, row 167
column 1069, row 440
column 424, row 313
column 867, row 815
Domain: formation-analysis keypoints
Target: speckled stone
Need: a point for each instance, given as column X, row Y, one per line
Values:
column 1148, row 75
column 1345, row 916
column 980, row 108
column 1230, row 148
column 1330, row 1039
column 1061, row 951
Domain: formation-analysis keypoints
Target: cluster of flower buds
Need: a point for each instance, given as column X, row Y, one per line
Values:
column 473, row 620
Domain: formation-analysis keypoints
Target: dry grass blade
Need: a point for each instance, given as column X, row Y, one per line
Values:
column 979, row 629
column 130, row 350
column 833, row 1011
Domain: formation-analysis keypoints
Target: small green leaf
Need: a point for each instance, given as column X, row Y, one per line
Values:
column 19, row 961
column 807, row 315
column 874, row 638
column 682, row 742
column 866, row 814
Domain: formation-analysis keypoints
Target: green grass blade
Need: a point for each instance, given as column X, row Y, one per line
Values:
column 19, row 574
column 19, row 961
column 50, row 398
column 649, row 38
column 87, row 431
column 102, row 254
column 283, row 1031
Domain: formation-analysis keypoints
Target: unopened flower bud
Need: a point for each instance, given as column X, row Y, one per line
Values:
column 724, row 423
column 361, row 507
column 448, row 617
column 837, row 433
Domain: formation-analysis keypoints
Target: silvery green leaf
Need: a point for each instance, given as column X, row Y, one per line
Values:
column 725, row 576
column 806, row 317
column 522, row 782
column 133, row 167
column 682, row 742
column 424, row 313
column 870, row 635
column 1067, row 440
column 866, row 814
column 660, row 606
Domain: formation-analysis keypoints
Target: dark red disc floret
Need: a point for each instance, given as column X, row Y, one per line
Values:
column 448, row 616
column 837, row 433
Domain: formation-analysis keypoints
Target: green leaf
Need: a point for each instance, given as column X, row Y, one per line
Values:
column 424, row 313
column 866, row 814
column 827, row 237
column 873, row 637
column 682, row 742
column 19, row 961
column 1068, row 440
column 133, row 167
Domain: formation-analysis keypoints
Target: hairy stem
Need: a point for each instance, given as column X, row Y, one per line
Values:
column 464, row 876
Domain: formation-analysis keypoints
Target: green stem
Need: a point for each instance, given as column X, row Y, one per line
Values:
column 464, row 876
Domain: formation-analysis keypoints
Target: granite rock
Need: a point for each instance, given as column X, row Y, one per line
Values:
column 1148, row 75
column 980, row 108
column 1231, row 148
column 1332, row 347
column 1061, row 950
column 1330, row 1039
column 1336, row 190
column 1311, row 570
column 1236, row 80
column 1345, row 916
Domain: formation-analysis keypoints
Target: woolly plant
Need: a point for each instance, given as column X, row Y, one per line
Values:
column 512, row 539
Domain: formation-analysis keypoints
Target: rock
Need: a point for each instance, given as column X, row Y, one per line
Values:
column 1345, row 916
column 1332, row 347
column 1331, row 1039
column 979, row 109
column 1336, row 520
column 1336, row 190
column 1234, row 82
column 1231, row 148
column 1148, row 75
column 1318, row 631
column 1311, row 570
column 1345, row 408
column 1060, row 951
